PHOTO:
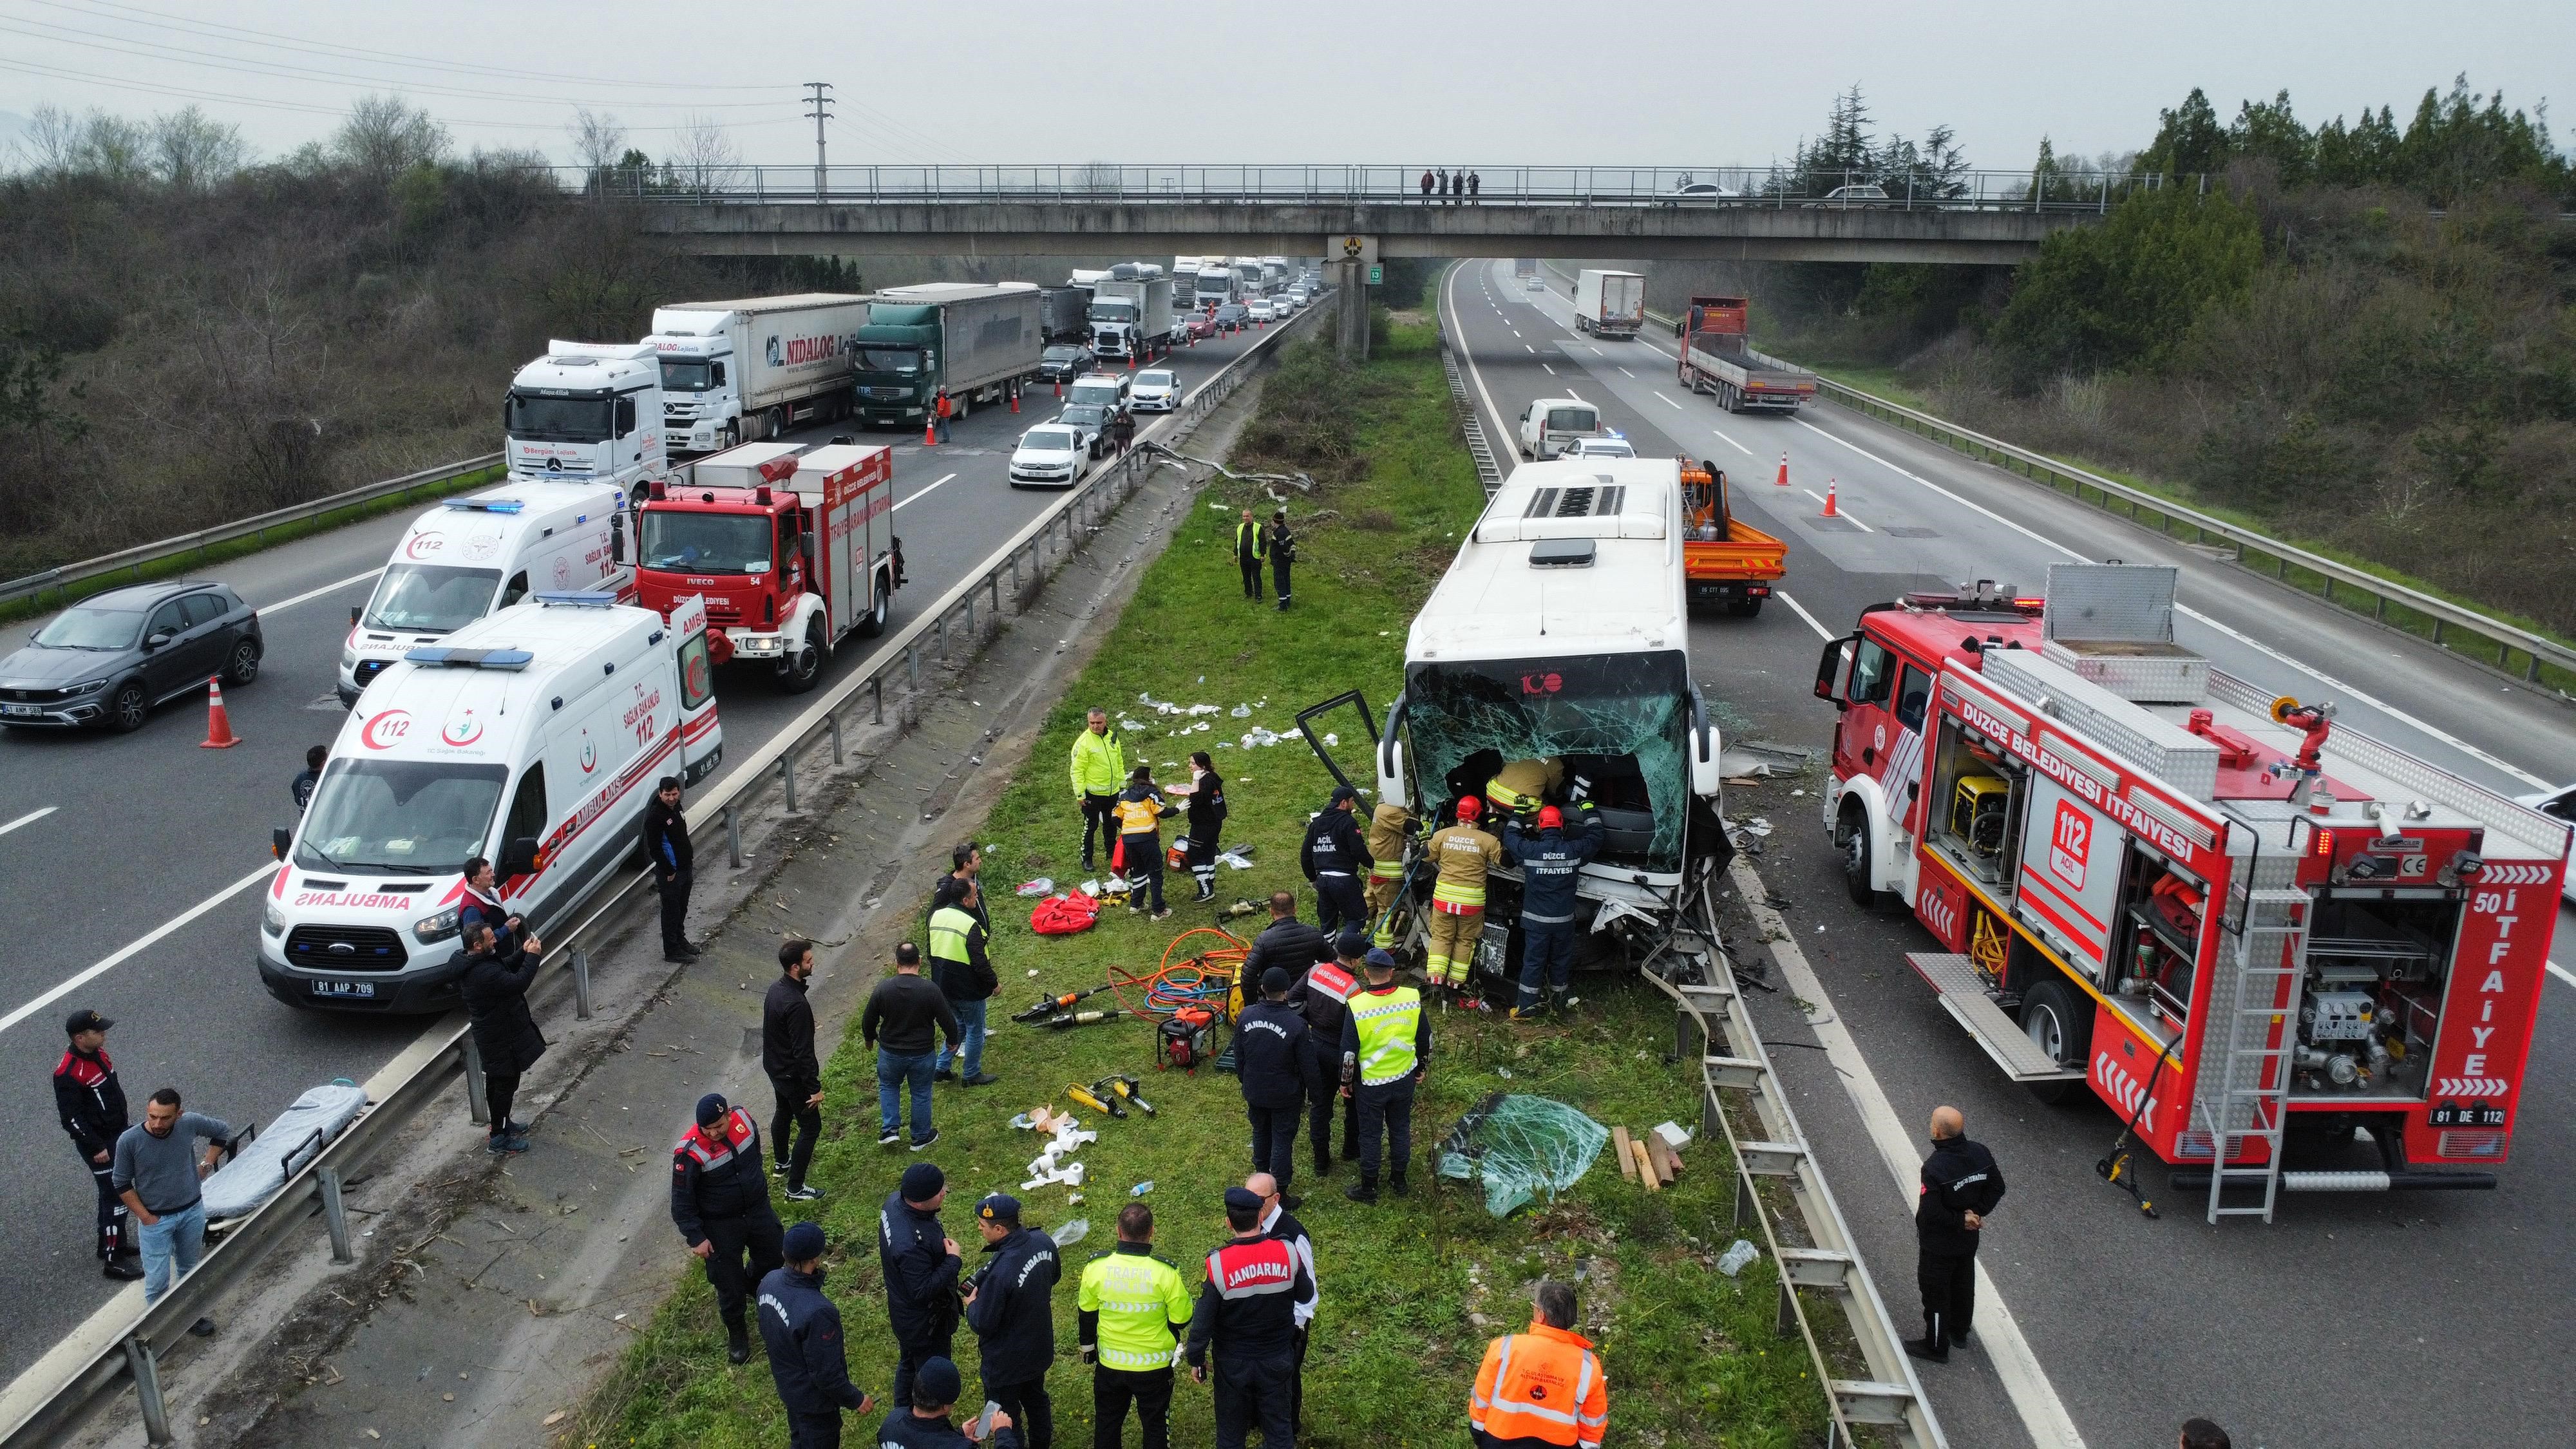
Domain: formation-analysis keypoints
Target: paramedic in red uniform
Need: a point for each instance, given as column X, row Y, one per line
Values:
column 1961, row 1184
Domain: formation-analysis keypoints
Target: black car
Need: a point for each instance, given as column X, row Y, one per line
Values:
column 1064, row 362
column 1233, row 317
column 107, row 660
column 1091, row 421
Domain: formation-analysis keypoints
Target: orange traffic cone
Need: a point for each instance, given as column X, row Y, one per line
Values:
column 1783, row 479
column 219, row 725
column 1830, row 510
column 1059, row 397
column 930, row 433
column 1015, row 397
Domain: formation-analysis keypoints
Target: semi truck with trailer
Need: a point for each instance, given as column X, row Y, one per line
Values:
column 587, row 411
column 1730, row 564
column 2257, row 934
column 978, row 342
column 1609, row 304
column 792, row 551
column 1064, row 313
column 755, row 367
column 1131, row 315
column 1717, row 356
column 1216, row 285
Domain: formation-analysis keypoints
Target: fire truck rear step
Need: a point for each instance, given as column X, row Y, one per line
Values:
column 1962, row 991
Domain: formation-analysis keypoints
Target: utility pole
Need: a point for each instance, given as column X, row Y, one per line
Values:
column 819, row 106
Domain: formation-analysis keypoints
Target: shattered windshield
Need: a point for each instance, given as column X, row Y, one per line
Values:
column 1618, row 721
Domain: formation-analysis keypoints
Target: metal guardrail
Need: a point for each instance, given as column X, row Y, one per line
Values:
column 446, row 1050
column 255, row 527
column 1489, row 469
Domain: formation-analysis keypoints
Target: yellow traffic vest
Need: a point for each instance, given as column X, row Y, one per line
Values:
column 1138, row 1297
column 948, row 928
column 1387, row 1025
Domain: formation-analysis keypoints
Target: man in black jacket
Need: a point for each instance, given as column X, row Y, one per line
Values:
column 965, row 868
column 957, row 952
column 496, row 1004
column 1282, row 547
column 91, row 1103
column 905, row 1018
column 1270, row 1059
column 666, row 844
column 920, row 1265
column 1207, row 820
column 795, row 1074
column 1247, row 1311
column 1961, row 1184
column 1011, row 1308
column 1323, row 994
column 1336, row 859
column 720, row 1203
column 925, row 1425
column 808, row 1358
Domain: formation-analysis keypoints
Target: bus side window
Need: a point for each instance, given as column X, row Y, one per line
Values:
column 1911, row 697
column 1873, row 670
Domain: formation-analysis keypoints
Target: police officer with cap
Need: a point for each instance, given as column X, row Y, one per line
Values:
column 1386, row 1048
column 921, row 1264
column 808, row 1358
column 1131, row 1312
column 1010, row 1306
column 91, row 1103
column 1247, row 1312
column 1323, row 992
column 924, row 1423
column 720, row 1200
column 1270, row 1059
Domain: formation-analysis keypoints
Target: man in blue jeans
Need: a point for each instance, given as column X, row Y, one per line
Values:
column 905, row 1018
column 156, row 1172
column 957, row 934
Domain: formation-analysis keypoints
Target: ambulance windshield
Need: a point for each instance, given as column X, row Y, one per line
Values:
column 430, row 598
column 399, row 817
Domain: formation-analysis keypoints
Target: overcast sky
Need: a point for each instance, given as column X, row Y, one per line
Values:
column 1488, row 84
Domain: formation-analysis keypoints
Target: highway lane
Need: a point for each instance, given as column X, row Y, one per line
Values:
column 2444, row 1312
column 147, row 828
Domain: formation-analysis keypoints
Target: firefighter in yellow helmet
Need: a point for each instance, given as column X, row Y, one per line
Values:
column 1462, row 855
column 1388, row 826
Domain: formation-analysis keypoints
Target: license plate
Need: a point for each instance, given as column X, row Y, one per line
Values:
column 22, row 711
column 2453, row 1115
column 344, row 988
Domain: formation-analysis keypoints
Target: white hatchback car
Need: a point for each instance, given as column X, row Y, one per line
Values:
column 1260, row 310
column 1611, row 446
column 1050, row 454
column 1157, row 390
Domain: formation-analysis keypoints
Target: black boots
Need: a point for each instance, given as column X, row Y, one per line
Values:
column 737, row 1344
column 1323, row 1163
column 1932, row 1347
column 1364, row 1190
column 1396, row 1184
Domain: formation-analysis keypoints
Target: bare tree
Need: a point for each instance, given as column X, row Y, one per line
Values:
column 113, row 148
column 51, row 143
column 1097, row 176
column 597, row 141
column 191, row 150
column 386, row 136
column 704, row 158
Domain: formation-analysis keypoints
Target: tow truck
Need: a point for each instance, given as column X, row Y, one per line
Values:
column 1728, row 561
column 793, row 549
column 2252, row 931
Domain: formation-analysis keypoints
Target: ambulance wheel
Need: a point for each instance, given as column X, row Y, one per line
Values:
column 2056, row 1024
column 1854, row 844
column 804, row 668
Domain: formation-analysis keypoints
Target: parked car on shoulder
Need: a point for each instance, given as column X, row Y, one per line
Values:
column 107, row 660
column 1051, row 454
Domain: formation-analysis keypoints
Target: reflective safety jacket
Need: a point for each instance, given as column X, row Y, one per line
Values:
column 1543, row 1387
column 717, row 1175
column 957, row 951
column 1247, row 1308
column 1251, row 541
column 1140, row 810
column 1388, row 826
column 1133, row 1308
column 1462, row 854
column 1518, row 785
column 1388, row 1034
column 1099, row 763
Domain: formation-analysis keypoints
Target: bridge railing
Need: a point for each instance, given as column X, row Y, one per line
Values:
column 1101, row 181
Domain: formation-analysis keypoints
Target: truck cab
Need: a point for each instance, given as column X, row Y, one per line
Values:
column 1549, row 423
column 587, row 410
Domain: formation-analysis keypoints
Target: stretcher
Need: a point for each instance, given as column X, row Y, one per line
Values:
column 262, row 1162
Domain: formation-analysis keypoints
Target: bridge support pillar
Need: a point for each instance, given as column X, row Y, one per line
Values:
column 1351, row 312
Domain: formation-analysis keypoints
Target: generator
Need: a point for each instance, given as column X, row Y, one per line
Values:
column 1980, row 814
column 1186, row 1040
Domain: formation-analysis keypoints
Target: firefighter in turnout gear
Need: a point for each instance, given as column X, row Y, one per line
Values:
column 1543, row 1387
column 1386, row 1048
column 1333, row 858
column 1131, row 1312
column 91, row 1103
column 1551, row 865
column 1462, row 855
column 720, row 1202
column 1389, row 826
column 1961, row 1184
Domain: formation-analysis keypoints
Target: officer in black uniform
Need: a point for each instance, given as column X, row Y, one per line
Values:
column 925, row 1423
column 920, row 1264
column 1336, row 859
column 1010, row 1305
column 1323, row 993
column 91, row 1103
column 1270, row 1058
column 1961, row 1185
column 808, row 1358
column 720, row 1201
column 1247, row 1313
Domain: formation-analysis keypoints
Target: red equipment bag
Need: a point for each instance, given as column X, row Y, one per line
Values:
column 1178, row 857
column 1065, row 915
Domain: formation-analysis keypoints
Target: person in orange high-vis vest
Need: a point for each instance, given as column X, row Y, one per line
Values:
column 1543, row 1387
column 1462, row 854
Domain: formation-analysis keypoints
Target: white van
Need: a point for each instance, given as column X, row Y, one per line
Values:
column 470, row 556
column 1548, row 424
column 534, row 738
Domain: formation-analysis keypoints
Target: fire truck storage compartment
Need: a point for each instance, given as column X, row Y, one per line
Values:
column 1977, row 806
column 2156, row 939
column 2379, row 962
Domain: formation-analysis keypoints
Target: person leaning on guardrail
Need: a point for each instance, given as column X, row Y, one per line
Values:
column 157, row 1163
column 495, row 986
column 91, row 1103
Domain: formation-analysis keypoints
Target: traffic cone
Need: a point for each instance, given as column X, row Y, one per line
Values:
column 1059, row 397
column 1015, row 397
column 1783, row 479
column 219, row 725
column 930, row 432
column 1830, row 510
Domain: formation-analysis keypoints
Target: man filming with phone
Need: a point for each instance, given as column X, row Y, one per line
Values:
column 925, row 1425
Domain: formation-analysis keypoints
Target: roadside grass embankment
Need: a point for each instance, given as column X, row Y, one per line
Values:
column 1412, row 1288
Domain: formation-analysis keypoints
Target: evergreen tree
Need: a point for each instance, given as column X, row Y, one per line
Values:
column 2189, row 141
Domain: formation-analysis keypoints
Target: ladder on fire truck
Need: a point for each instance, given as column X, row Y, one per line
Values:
column 2251, row 1103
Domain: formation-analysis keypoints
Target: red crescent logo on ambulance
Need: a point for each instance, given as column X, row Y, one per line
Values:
column 386, row 730
column 424, row 545
column 462, row 731
column 589, row 754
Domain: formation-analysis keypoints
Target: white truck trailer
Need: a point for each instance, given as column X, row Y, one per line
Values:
column 755, row 367
column 1609, row 304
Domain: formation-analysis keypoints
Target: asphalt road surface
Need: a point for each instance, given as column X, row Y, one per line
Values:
column 137, row 894
column 2353, row 1319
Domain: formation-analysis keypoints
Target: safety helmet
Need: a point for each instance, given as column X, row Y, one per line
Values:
column 1550, row 818
column 1469, row 807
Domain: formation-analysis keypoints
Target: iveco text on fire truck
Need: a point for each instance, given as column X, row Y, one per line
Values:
column 2252, row 931
column 792, row 550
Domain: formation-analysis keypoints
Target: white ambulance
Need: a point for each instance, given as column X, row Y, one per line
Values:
column 472, row 555
column 533, row 738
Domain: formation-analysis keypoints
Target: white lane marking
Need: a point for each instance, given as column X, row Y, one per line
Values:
column 1449, row 289
column 1821, row 632
column 1550, row 370
column 917, row 497
column 282, row 605
column 2562, row 973
column 30, row 818
column 1730, row 442
column 1525, row 346
column 2250, row 642
column 83, row 977
column 1597, row 352
column 1668, row 402
column 1839, row 510
column 2043, row 1414
column 1624, row 370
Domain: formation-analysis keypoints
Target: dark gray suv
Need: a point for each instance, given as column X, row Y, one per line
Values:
column 107, row 660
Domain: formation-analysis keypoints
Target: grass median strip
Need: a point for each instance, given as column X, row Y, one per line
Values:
column 1412, row 1288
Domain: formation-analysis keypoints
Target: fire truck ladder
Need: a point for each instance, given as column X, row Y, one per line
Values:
column 2251, row 1102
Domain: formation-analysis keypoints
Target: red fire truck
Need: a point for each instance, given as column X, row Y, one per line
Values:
column 2241, row 925
column 793, row 548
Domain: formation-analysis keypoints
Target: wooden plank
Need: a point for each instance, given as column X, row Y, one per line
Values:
column 1645, row 1168
column 1662, row 1158
column 1673, row 1155
column 1627, row 1164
